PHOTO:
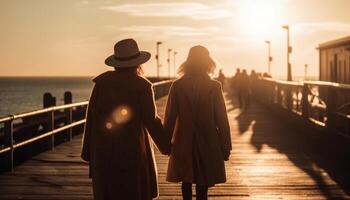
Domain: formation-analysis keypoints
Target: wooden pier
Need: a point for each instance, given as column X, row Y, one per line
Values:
column 268, row 161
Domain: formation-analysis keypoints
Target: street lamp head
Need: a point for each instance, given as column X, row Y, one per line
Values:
column 267, row 41
column 158, row 43
column 175, row 52
column 169, row 50
column 285, row 27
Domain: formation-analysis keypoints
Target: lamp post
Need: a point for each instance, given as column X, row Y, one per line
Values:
column 305, row 71
column 157, row 58
column 169, row 50
column 289, row 51
column 175, row 52
column 269, row 59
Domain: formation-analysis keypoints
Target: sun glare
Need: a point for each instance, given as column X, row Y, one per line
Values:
column 259, row 17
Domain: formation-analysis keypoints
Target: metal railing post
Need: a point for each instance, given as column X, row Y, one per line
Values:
column 330, row 123
column 305, row 102
column 271, row 92
column 9, row 133
column 70, row 120
column 289, row 97
column 331, row 107
column 299, row 101
column 279, row 96
column 68, row 99
column 51, row 128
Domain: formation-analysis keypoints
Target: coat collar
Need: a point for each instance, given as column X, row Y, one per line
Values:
column 121, row 79
column 112, row 76
column 200, row 76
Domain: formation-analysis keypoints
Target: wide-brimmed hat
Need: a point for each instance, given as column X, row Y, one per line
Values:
column 127, row 54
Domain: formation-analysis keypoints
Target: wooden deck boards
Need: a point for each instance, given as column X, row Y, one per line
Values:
column 266, row 163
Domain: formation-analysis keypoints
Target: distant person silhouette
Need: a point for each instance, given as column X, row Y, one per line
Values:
column 196, row 118
column 243, row 90
column 115, row 141
column 235, row 81
column 267, row 75
column 252, row 79
column 221, row 78
column 253, row 75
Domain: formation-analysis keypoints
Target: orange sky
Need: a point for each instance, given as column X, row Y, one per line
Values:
column 72, row 38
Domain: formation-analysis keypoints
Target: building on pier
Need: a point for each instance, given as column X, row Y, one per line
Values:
column 335, row 60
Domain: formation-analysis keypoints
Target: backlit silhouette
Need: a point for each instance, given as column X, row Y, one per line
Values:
column 116, row 143
column 197, row 120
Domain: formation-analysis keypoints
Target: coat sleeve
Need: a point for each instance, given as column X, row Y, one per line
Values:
column 171, row 112
column 153, row 122
column 221, row 120
column 91, row 112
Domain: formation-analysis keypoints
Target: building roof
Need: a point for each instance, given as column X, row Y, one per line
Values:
column 335, row 43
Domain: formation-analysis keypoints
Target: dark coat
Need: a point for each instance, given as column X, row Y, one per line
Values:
column 197, row 119
column 116, row 143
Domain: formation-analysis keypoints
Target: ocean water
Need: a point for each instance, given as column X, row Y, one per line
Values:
column 19, row 95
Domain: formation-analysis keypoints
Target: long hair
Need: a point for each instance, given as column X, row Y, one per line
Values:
column 138, row 70
column 198, row 62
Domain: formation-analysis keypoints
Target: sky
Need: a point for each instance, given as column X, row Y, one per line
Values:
column 73, row 37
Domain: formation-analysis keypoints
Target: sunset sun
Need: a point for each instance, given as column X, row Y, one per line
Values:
column 259, row 18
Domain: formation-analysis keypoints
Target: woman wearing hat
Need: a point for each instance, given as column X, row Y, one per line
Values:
column 115, row 141
column 196, row 118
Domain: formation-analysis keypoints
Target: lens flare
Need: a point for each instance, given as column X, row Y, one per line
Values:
column 121, row 114
column 124, row 111
column 109, row 125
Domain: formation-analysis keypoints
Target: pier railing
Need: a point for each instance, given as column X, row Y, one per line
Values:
column 324, row 106
column 26, row 134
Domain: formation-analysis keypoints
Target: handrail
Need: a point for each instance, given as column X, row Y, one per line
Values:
column 161, row 88
column 49, row 133
column 293, row 83
column 9, row 129
column 41, row 111
column 331, row 84
column 301, row 83
column 55, row 108
column 322, row 108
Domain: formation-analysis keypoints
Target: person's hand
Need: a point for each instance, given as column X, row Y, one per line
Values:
column 226, row 155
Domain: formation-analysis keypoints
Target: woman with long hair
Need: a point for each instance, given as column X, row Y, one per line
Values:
column 196, row 119
column 115, row 141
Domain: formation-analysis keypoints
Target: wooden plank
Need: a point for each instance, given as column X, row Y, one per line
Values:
column 267, row 162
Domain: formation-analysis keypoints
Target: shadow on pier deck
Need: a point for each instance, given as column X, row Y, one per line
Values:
column 267, row 162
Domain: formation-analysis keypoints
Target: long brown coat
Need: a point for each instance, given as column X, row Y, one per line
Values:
column 196, row 116
column 116, row 143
